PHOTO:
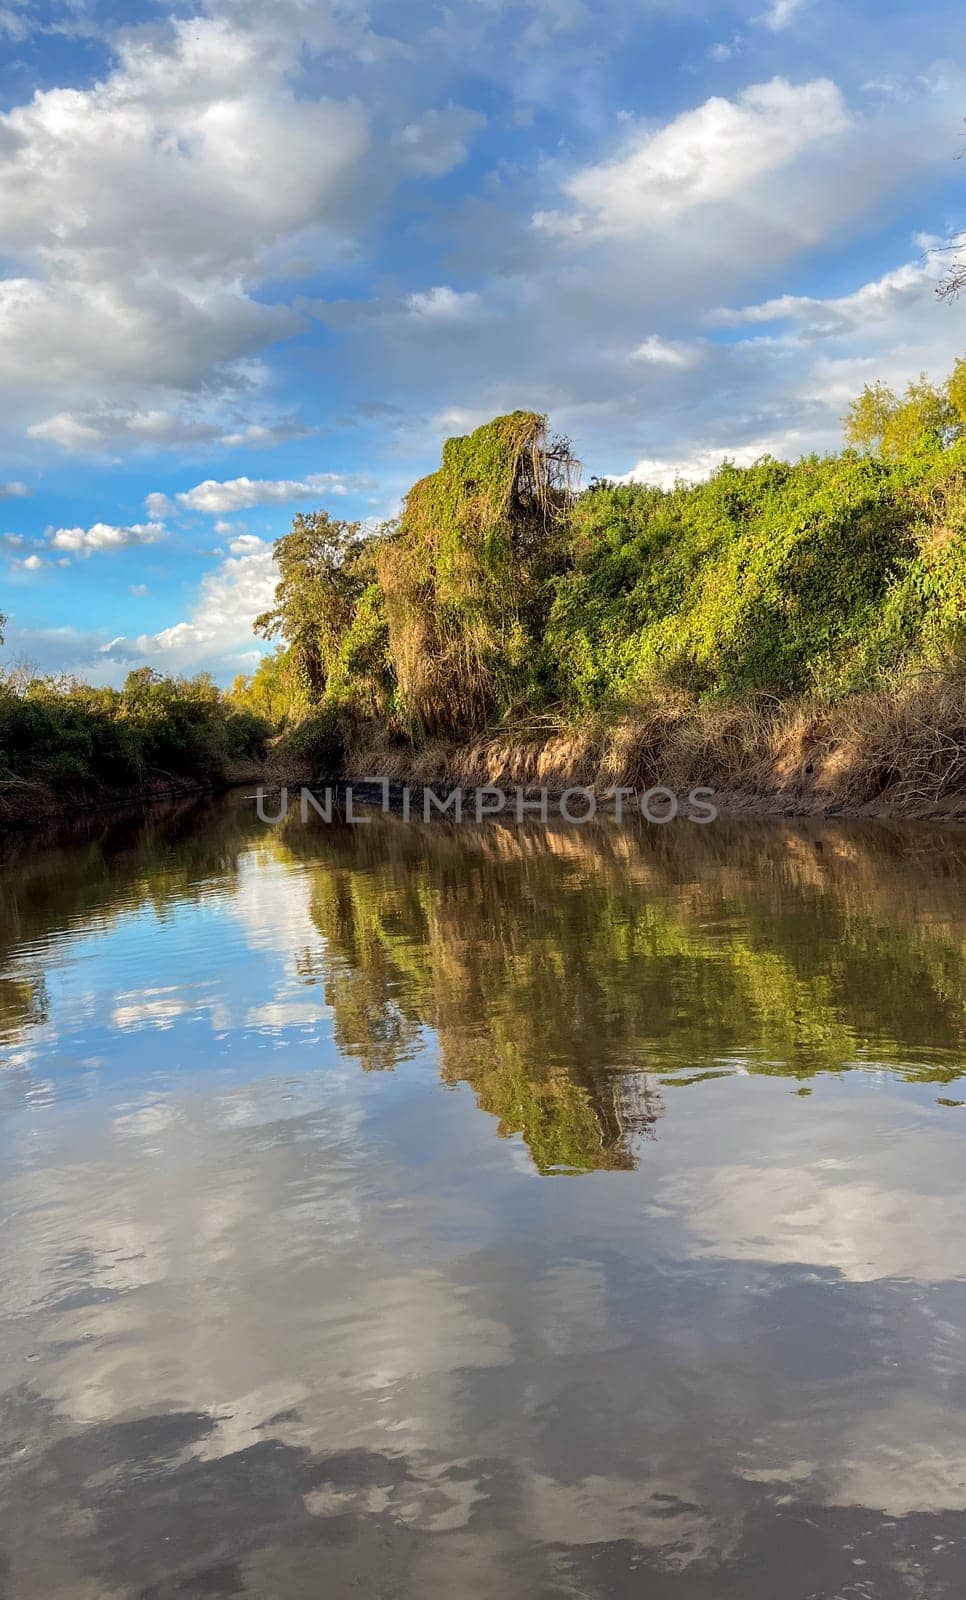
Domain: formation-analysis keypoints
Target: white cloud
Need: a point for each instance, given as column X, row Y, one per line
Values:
column 147, row 1008
column 706, row 155
column 70, row 432
column 874, row 302
column 780, row 14
column 665, row 473
column 32, row 563
column 437, row 141
column 13, row 24
column 218, row 631
column 103, row 427
column 14, row 491
column 104, row 536
column 660, row 352
column 442, row 304
column 240, row 494
column 143, row 209
column 264, row 436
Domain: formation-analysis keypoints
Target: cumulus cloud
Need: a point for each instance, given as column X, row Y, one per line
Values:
column 145, row 207
column 14, row 491
column 705, row 155
column 437, row 141
column 265, row 436
column 876, row 302
column 104, row 427
column 660, row 352
column 240, row 494
column 442, row 304
column 103, row 536
column 218, row 631
column 145, row 211
column 665, row 473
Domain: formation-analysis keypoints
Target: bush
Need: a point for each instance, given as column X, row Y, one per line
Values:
column 820, row 576
column 58, row 731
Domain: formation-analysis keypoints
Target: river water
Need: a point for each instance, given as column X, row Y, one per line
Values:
column 486, row 1211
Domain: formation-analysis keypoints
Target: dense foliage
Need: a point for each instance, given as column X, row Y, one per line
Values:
column 56, row 731
column 499, row 593
column 826, row 575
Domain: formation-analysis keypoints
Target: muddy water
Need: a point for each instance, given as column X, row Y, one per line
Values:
column 440, row 1211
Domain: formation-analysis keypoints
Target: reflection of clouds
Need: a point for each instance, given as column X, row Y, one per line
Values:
column 570, row 1305
column 902, row 1458
column 354, row 1351
column 161, row 1007
column 145, row 1122
column 353, row 1327
column 151, row 1008
column 909, row 1458
column 827, row 1215
column 290, row 1013
column 272, row 902
column 600, row 1508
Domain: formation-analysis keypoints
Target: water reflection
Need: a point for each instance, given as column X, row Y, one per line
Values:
column 568, row 976
column 272, row 1324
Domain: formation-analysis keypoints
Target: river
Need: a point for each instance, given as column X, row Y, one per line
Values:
column 482, row 1211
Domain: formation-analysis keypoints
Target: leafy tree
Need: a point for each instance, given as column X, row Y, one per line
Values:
column 956, row 390
column 320, row 584
column 272, row 691
column 882, row 423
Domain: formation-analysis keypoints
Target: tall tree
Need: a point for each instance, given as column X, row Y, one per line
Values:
column 316, row 595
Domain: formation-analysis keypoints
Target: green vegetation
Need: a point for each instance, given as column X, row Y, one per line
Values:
column 500, row 594
column 58, row 732
column 466, row 577
column 502, row 602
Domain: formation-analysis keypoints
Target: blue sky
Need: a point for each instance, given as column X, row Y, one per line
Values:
column 261, row 257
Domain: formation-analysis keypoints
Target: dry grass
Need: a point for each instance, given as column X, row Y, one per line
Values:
column 900, row 750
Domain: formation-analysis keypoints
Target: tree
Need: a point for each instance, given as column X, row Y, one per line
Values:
column 881, row 422
column 320, row 583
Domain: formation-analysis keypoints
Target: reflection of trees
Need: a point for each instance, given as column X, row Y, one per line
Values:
column 101, row 870
column 556, row 967
column 563, row 971
column 420, row 933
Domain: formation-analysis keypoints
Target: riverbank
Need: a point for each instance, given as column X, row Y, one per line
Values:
column 27, row 804
column 886, row 754
column 898, row 752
